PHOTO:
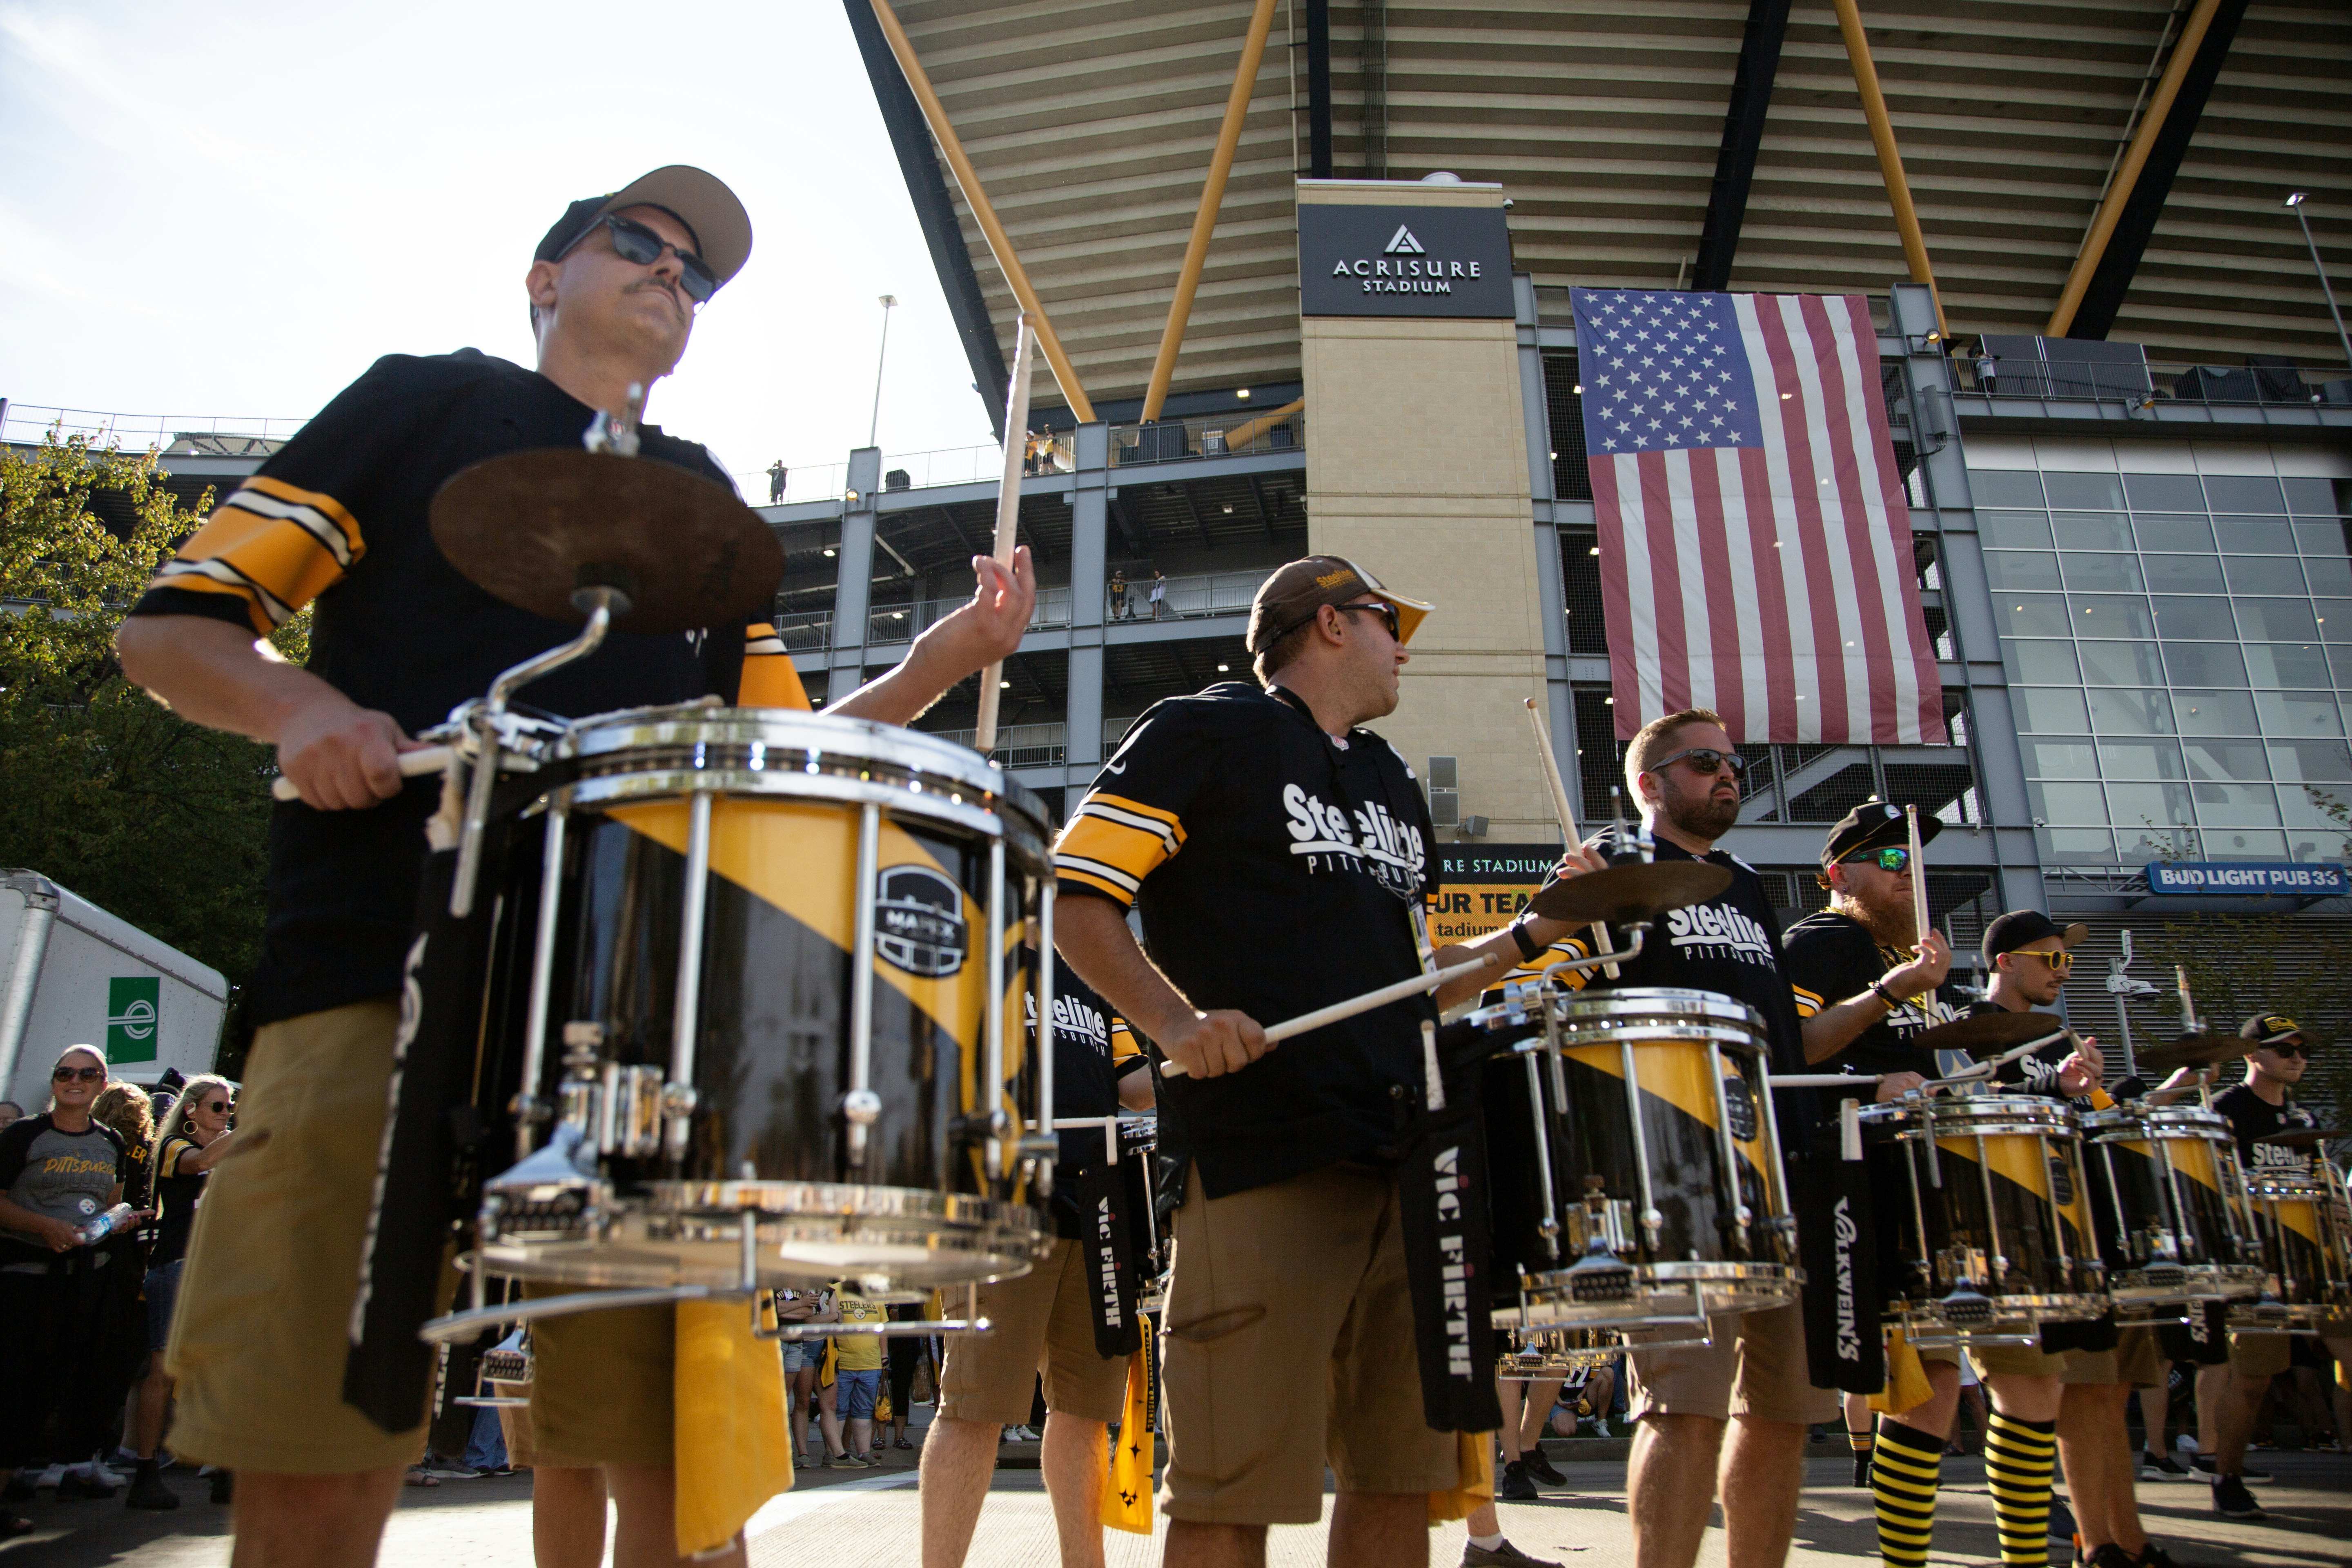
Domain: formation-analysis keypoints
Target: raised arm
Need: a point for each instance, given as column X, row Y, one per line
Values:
column 982, row 632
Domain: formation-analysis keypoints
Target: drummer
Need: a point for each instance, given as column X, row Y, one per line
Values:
column 1045, row 1319
column 1279, row 854
column 2027, row 956
column 1752, row 1381
column 2259, row 1106
column 338, row 516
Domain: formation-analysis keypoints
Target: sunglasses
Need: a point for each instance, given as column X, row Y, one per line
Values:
column 1706, row 759
column 2303, row 1051
column 87, row 1075
column 1387, row 614
column 1894, row 858
column 634, row 242
column 2059, row 962
column 218, row 1108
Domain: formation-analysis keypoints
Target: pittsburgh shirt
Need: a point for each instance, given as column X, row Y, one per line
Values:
column 1276, row 870
column 2252, row 1118
column 1833, row 957
column 1093, row 1050
column 339, row 518
column 58, row 1175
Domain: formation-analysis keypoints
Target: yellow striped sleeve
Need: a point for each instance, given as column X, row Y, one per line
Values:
column 270, row 544
column 1808, row 1001
column 1122, row 1041
column 1560, row 952
column 1114, row 843
column 770, row 680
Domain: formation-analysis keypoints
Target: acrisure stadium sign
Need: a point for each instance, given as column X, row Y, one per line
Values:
column 2242, row 878
column 1403, row 261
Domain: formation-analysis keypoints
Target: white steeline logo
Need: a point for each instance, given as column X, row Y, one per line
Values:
column 1719, row 925
column 1382, row 277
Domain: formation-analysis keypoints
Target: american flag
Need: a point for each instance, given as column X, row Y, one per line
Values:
column 1754, row 547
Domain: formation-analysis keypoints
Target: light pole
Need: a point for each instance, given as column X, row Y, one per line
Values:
column 888, row 301
column 2294, row 201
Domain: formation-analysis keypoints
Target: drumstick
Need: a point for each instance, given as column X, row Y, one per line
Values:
column 1307, row 1022
column 1928, row 1002
column 1567, row 815
column 1008, row 512
column 429, row 759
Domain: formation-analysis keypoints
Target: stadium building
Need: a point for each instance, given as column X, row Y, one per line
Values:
column 1302, row 274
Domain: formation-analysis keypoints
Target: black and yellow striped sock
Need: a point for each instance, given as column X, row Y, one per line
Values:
column 1903, row 1479
column 2019, row 1455
column 1862, row 1441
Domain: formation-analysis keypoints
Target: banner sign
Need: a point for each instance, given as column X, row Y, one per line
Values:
column 1403, row 261
column 2258, row 877
column 1481, row 887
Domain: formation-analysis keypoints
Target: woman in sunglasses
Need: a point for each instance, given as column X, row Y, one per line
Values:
column 195, row 1136
column 58, row 1171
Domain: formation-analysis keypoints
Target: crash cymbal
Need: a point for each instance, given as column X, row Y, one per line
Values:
column 532, row 527
column 1634, row 892
column 1989, row 1034
column 2302, row 1137
column 2194, row 1051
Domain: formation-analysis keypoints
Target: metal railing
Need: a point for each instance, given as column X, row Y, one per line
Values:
column 2259, row 383
column 1188, row 599
column 209, row 433
column 908, row 620
column 1018, row 745
column 811, row 632
column 1205, row 436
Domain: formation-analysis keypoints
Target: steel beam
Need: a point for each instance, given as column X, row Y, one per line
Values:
column 1743, row 133
column 2133, row 207
column 1319, row 90
column 1890, row 157
column 934, row 211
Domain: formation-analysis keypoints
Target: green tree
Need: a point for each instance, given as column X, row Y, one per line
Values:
column 2237, row 966
column 102, row 788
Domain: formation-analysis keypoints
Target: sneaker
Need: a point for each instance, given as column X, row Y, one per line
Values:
column 1861, row 1469
column 2233, row 1500
column 2155, row 1556
column 2251, row 1477
column 223, row 1486
column 148, row 1491
column 843, row 1462
column 2185, row 1443
column 2061, row 1525
column 1541, row 1467
column 2108, row 1556
column 1600, row 1426
column 1504, row 1556
column 74, row 1484
column 51, row 1476
column 873, row 1457
column 1515, row 1485
column 2156, row 1467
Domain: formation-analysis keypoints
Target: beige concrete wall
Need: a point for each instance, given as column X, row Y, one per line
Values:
column 1417, row 468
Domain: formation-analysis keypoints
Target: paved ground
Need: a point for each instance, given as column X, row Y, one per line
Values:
column 832, row 1520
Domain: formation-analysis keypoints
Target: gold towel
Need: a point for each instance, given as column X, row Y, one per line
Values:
column 1126, row 1487
column 1907, row 1387
column 732, row 1449
column 1477, row 1488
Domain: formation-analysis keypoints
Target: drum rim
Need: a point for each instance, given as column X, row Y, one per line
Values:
column 603, row 737
column 2161, row 1122
column 2035, row 1117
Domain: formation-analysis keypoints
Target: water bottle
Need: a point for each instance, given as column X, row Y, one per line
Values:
column 107, row 1224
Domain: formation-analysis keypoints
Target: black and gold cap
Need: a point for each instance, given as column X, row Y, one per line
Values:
column 1288, row 599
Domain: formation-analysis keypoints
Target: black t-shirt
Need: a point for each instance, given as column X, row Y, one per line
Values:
column 180, row 1196
column 1730, row 945
column 60, row 1175
column 2252, row 1116
column 1833, row 957
column 1277, row 870
column 340, row 516
column 2037, row 1073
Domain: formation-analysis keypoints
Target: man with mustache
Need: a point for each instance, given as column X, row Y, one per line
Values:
column 339, row 518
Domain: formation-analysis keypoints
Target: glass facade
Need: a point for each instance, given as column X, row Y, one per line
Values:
column 2179, row 653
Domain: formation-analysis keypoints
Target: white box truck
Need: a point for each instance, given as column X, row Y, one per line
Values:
column 70, row 974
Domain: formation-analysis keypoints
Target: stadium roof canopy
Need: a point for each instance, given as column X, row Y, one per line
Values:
column 1717, row 143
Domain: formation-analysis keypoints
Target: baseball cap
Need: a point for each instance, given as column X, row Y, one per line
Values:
column 701, row 201
column 2272, row 1029
column 1873, row 825
column 1288, row 599
column 2013, row 931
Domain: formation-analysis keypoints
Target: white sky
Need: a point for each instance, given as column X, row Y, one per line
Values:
column 232, row 209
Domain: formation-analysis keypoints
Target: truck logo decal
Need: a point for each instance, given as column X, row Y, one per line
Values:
column 131, row 1012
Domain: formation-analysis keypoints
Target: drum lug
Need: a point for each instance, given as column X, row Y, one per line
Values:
column 677, row 1103
column 862, row 1108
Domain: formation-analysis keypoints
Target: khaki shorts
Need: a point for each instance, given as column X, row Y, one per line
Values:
column 1753, row 1366
column 2017, row 1361
column 258, row 1341
column 2259, row 1355
column 604, row 1385
column 1045, row 1327
column 1290, row 1340
column 2133, row 1364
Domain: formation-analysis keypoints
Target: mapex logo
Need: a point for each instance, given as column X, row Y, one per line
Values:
column 1403, row 277
column 918, row 924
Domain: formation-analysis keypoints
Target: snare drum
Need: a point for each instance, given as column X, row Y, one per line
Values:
column 1529, row 1355
column 1986, row 1232
column 2303, row 1223
column 1634, row 1164
column 770, row 971
column 2167, row 1208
